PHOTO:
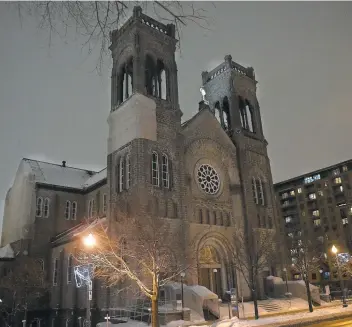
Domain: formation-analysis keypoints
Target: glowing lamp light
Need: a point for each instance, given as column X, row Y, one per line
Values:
column 334, row 249
column 89, row 240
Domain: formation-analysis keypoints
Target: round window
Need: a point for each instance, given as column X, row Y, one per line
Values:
column 208, row 179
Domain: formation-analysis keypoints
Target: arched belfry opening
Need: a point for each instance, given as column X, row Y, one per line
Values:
column 246, row 115
column 125, row 81
column 163, row 83
column 150, row 78
column 226, row 114
column 217, row 111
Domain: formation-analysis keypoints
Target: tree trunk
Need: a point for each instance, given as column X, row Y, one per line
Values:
column 309, row 296
column 255, row 302
column 155, row 312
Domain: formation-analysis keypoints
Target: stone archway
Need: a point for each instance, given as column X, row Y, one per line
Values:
column 214, row 268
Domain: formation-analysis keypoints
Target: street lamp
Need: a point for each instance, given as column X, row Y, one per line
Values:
column 182, row 277
column 89, row 241
column 285, row 270
column 335, row 251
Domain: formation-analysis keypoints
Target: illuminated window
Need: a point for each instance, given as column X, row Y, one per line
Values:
column 337, row 180
column 316, row 213
column 317, row 222
column 345, row 221
column 288, row 219
column 341, row 188
column 344, row 168
column 292, row 193
column 312, row 196
column 290, row 235
column 284, row 195
column 336, row 172
column 320, row 193
column 299, row 190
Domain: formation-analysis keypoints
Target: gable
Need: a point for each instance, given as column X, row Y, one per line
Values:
column 205, row 125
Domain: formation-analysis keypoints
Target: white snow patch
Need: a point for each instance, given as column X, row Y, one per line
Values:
column 6, row 252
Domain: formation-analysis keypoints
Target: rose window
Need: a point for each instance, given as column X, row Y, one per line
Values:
column 208, row 179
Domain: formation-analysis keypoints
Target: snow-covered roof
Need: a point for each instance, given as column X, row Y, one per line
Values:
column 202, row 291
column 6, row 252
column 59, row 175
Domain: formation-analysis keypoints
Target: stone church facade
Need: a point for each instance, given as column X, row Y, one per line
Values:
column 209, row 175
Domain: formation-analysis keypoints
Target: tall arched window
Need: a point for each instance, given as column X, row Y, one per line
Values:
column 69, row 269
column 155, row 169
column 74, row 210
column 128, row 172
column 122, row 174
column 125, row 81
column 165, row 171
column 117, row 176
column 246, row 114
column 68, row 210
column 217, row 111
column 46, row 207
column 254, row 189
column 39, row 208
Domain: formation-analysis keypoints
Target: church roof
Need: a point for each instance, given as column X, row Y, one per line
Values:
column 62, row 175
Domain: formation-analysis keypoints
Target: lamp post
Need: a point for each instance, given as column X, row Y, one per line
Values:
column 285, row 270
column 335, row 251
column 321, row 279
column 89, row 241
column 182, row 281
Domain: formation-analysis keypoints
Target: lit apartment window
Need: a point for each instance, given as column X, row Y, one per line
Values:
column 293, row 251
column 326, row 184
column 344, row 221
column 288, row 219
column 312, row 196
column 299, row 233
column 344, row 168
column 317, row 222
column 74, row 210
column 337, row 180
column 320, row 193
column 299, row 242
column 292, row 193
column 316, row 213
column 294, row 260
column 336, row 172
column 311, row 179
column 290, row 235
column 284, row 195
column 299, row 190
column 341, row 188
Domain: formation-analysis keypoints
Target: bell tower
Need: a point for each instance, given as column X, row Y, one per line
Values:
column 145, row 118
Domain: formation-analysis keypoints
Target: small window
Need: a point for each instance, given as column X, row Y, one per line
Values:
column 55, row 271
column 317, row 222
column 292, row 193
column 69, row 269
column 312, row 196
column 320, row 193
column 314, row 276
column 290, row 235
column 341, row 188
column 93, row 208
column 39, row 208
column 337, row 180
column 104, row 203
column 165, row 170
column 284, row 195
column 344, row 168
column 74, row 210
column 303, row 213
column 344, row 221
column 288, row 219
column 254, row 190
column 299, row 190
column 68, row 210
column 316, row 213
column 46, row 208
column 155, row 169
column 336, row 172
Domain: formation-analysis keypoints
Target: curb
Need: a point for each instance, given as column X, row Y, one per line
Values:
column 310, row 321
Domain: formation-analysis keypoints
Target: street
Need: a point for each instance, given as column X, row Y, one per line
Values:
column 337, row 323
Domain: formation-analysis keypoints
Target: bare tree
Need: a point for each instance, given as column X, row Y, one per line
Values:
column 307, row 258
column 94, row 21
column 22, row 287
column 146, row 251
column 252, row 254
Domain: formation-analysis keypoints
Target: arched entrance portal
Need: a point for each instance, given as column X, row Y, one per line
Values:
column 210, row 269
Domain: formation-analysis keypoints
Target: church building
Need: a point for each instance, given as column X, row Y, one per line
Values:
column 209, row 174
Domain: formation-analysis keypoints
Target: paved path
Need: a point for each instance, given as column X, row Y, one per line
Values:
column 337, row 323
